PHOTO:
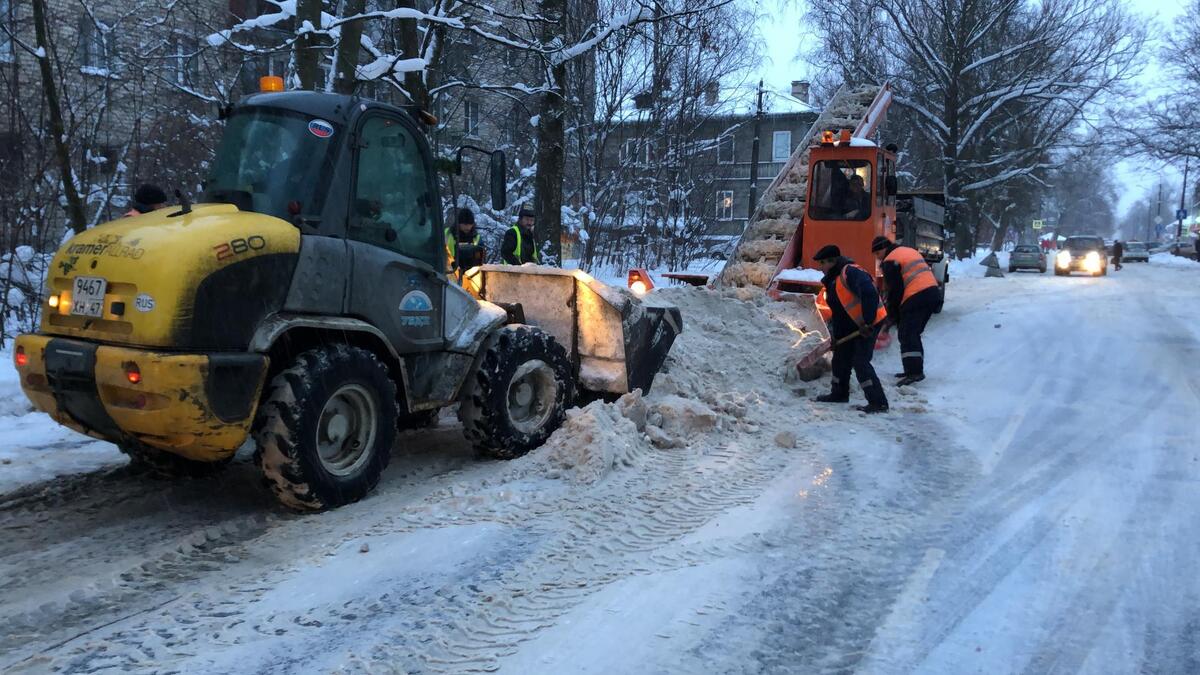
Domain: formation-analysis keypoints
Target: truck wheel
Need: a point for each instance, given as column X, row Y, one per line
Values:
column 519, row 394
column 169, row 465
column 325, row 431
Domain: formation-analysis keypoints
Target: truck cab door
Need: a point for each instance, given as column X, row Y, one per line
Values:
column 394, row 235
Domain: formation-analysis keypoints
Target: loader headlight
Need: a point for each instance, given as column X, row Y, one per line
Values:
column 1063, row 259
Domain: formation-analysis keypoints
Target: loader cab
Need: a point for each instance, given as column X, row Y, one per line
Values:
column 851, row 198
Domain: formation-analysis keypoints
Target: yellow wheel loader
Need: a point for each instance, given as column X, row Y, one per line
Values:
column 303, row 303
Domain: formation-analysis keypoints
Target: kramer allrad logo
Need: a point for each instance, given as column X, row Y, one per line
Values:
column 108, row 245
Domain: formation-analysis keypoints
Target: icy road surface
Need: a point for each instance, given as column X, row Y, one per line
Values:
column 1033, row 507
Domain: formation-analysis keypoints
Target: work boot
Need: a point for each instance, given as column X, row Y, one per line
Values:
column 872, row 408
column 833, row 398
column 910, row 379
column 900, row 375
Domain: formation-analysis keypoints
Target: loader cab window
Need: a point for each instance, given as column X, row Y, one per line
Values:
column 392, row 192
column 841, row 190
column 270, row 162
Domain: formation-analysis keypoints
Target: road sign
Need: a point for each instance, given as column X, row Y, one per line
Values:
column 1180, row 214
column 1037, row 224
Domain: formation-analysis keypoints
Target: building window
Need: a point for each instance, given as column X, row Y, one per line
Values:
column 182, row 59
column 781, row 146
column 470, row 118
column 725, row 150
column 629, row 151
column 6, row 43
column 95, row 49
column 724, row 204
column 649, row 154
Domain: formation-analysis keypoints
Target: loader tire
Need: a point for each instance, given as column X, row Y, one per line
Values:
column 164, row 464
column 519, row 393
column 326, row 429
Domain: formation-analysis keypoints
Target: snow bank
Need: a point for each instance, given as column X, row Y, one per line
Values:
column 12, row 399
column 1172, row 260
column 34, row 448
column 801, row 275
column 706, row 390
column 972, row 267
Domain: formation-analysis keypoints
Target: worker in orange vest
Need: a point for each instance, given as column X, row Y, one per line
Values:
column 856, row 313
column 912, row 297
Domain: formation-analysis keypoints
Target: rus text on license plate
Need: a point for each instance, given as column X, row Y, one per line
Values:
column 87, row 297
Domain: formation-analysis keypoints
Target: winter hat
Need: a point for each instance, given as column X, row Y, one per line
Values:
column 526, row 212
column 466, row 217
column 880, row 243
column 149, row 194
column 828, row 252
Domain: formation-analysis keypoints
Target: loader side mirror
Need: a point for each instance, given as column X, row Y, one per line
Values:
column 890, row 185
column 499, row 181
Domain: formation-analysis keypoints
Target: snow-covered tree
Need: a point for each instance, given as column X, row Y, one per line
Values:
column 997, row 87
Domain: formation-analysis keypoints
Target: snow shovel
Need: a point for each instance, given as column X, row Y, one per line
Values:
column 810, row 359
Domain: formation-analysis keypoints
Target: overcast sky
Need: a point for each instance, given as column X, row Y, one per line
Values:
column 785, row 38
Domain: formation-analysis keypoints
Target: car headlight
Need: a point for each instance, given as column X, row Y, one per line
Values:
column 1092, row 257
column 1063, row 258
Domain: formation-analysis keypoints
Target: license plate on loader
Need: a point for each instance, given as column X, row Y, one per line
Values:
column 87, row 296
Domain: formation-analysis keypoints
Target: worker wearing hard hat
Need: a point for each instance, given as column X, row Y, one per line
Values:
column 856, row 316
column 912, row 297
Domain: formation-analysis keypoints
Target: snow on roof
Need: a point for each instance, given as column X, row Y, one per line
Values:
column 861, row 143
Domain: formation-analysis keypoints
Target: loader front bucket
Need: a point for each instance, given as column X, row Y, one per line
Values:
column 616, row 341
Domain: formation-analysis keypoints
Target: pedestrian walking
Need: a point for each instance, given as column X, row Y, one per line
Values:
column 1118, row 250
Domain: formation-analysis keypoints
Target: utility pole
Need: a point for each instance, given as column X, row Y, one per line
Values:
column 1182, row 196
column 758, row 116
column 1157, row 215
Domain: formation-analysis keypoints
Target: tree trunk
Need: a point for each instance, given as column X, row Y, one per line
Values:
column 348, row 49
column 308, row 58
column 410, row 48
column 551, row 162
column 75, row 210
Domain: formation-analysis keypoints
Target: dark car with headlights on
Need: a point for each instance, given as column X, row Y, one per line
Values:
column 1082, row 254
column 1026, row 257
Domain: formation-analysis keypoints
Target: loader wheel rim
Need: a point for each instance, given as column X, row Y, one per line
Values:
column 346, row 430
column 532, row 393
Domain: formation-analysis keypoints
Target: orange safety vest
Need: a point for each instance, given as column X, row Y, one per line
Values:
column 914, row 271
column 850, row 301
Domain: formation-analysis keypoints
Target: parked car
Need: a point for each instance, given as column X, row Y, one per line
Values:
column 1027, row 257
column 1184, row 250
column 1136, row 251
column 1082, row 254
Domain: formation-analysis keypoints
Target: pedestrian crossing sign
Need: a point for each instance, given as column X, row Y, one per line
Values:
column 1037, row 224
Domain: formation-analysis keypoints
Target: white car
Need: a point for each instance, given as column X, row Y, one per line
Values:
column 1136, row 251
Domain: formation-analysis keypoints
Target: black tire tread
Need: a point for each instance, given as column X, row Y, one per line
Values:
column 485, row 424
column 277, row 454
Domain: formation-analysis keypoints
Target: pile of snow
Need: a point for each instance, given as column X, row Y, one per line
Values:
column 1172, row 260
column 705, row 391
column 35, row 448
column 801, row 275
column 973, row 267
column 12, row 399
